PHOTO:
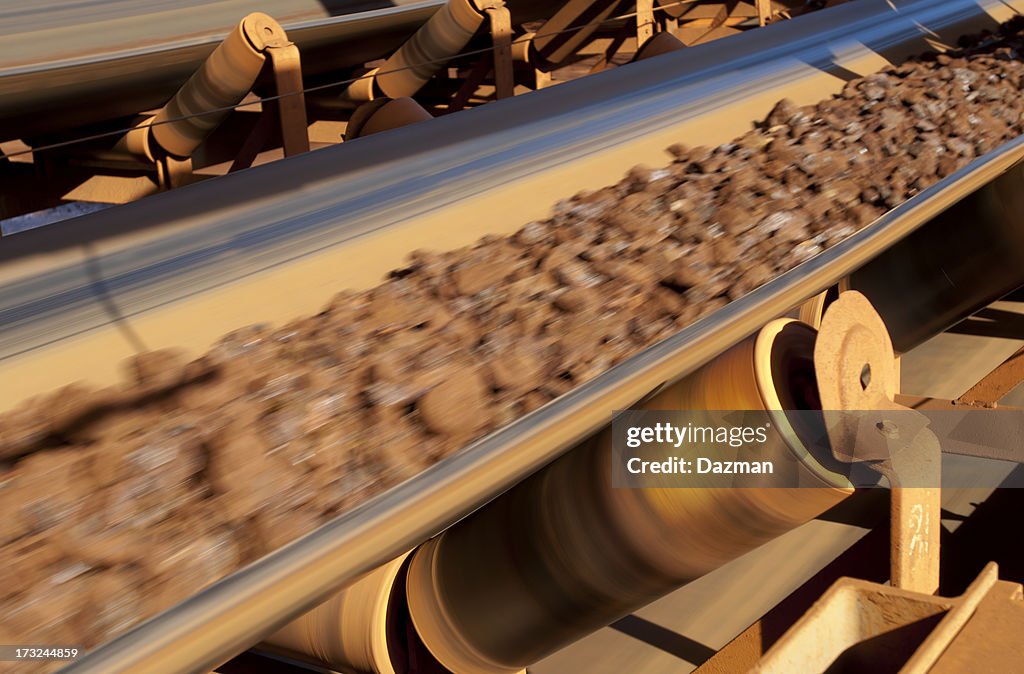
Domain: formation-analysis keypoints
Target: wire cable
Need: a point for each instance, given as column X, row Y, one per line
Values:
column 328, row 85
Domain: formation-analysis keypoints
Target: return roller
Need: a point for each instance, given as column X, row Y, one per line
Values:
column 565, row 553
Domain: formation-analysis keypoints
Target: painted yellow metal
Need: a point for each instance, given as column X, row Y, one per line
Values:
column 224, row 79
column 855, row 369
column 446, row 34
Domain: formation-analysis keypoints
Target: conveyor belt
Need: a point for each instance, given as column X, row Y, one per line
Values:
column 82, row 62
column 43, row 33
column 254, row 602
column 182, row 268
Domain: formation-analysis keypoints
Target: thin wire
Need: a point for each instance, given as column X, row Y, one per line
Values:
column 329, row 85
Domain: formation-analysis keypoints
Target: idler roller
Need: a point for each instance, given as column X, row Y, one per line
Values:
column 224, row 79
column 363, row 628
column 812, row 309
column 565, row 553
column 661, row 43
column 964, row 259
column 384, row 114
column 957, row 263
column 442, row 37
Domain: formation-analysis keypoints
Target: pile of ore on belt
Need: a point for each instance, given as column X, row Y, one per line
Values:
column 119, row 503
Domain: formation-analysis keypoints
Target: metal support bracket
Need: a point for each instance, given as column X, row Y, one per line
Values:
column 499, row 61
column 855, row 367
column 287, row 109
column 994, row 386
column 171, row 171
column 644, row 21
column 618, row 39
column 986, row 394
column 290, row 103
column 500, row 21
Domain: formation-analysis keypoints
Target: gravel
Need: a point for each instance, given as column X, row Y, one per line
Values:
column 119, row 503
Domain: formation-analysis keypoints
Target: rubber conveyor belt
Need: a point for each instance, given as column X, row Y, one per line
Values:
column 247, row 606
column 181, row 269
column 199, row 251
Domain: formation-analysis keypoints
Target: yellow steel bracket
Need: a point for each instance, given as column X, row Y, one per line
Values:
column 287, row 108
column 501, row 59
column 501, row 38
column 169, row 138
column 291, row 101
column 644, row 21
column 855, row 368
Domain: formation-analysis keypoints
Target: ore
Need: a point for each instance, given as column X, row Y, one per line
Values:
column 194, row 468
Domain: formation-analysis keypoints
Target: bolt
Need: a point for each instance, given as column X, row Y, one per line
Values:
column 888, row 429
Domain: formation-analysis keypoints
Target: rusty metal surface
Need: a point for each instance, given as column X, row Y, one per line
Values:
column 997, row 383
column 857, row 624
